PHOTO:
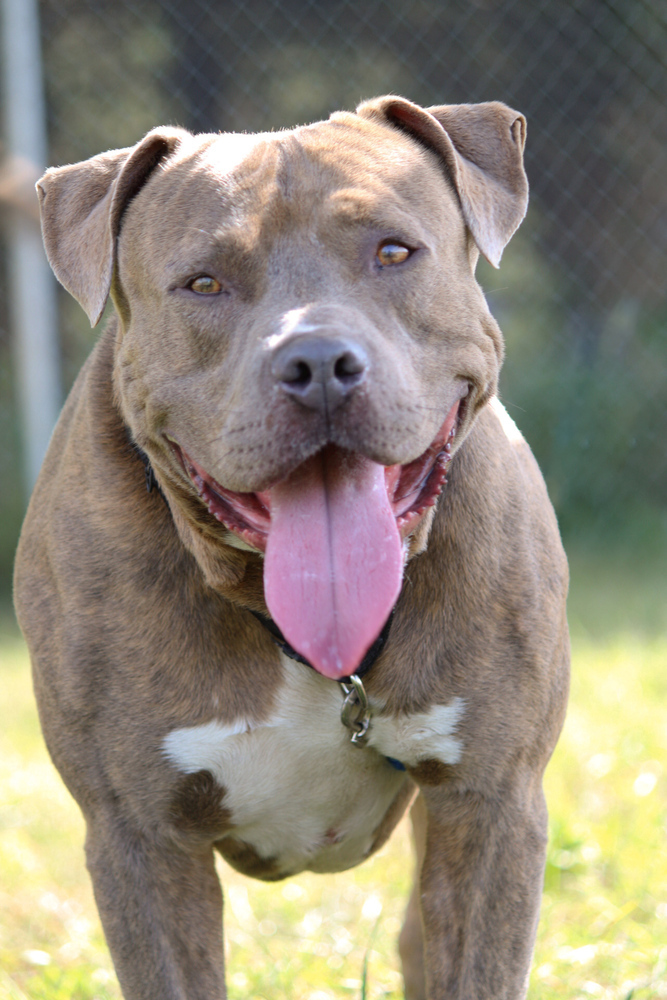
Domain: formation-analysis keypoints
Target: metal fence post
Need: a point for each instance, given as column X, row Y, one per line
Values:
column 32, row 291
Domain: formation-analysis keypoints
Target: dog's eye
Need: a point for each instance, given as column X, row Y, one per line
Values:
column 392, row 253
column 205, row 285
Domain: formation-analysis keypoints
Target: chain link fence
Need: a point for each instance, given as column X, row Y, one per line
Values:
column 581, row 294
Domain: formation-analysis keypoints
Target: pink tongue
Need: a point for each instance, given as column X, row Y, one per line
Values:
column 334, row 559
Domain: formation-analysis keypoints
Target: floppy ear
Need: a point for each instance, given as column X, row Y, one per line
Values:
column 482, row 147
column 81, row 207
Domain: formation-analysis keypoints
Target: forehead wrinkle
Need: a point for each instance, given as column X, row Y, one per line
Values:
column 376, row 176
column 203, row 247
column 378, row 210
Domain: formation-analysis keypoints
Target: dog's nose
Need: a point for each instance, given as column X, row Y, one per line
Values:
column 319, row 372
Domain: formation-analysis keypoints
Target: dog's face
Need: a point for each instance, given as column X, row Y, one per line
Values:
column 339, row 247
column 302, row 342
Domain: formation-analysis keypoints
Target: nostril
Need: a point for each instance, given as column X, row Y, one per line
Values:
column 298, row 374
column 348, row 367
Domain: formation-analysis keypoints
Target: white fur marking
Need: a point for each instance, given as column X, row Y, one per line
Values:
column 298, row 791
column 512, row 432
column 296, row 788
column 291, row 323
column 424, row 736
column 198, row 748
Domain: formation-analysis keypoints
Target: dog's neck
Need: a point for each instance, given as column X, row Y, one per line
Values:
column 372, row 654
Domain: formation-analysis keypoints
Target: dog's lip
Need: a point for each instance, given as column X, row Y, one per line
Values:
column 412, row 488
column 246, row 514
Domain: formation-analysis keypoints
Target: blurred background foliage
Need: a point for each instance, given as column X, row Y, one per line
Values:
column 581, row 294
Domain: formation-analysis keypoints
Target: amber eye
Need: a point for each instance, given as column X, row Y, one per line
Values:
column 205, row 285
column 392, row 253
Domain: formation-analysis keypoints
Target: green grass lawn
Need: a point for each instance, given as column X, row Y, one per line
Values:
column 603, row 931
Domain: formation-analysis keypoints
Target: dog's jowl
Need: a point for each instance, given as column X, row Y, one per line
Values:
column 344, row 586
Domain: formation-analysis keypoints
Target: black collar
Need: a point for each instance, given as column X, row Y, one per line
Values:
column 151, row 481
column 369, row 659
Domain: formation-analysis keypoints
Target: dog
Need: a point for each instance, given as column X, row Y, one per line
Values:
column 289, row 563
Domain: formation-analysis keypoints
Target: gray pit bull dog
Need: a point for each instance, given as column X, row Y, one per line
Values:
column 346, row 586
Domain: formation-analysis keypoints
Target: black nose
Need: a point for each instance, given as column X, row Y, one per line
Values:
column 320, row 372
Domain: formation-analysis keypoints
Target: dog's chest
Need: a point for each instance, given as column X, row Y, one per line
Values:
column 298, row 794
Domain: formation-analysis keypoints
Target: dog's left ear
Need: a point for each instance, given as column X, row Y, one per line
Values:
column 482, row 147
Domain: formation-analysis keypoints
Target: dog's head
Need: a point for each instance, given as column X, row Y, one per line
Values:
column 301, row 341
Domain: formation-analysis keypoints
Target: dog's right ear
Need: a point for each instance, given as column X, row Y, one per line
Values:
column 481, row 146
column 82, row 205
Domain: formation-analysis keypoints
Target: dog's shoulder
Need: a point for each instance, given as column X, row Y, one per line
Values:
column 504, row 490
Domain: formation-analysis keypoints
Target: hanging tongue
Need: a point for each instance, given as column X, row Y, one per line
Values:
column 334, row 559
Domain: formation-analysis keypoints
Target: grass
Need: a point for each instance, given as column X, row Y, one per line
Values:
column 603, row 931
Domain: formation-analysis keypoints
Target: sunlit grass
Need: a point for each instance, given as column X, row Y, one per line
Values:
column 603, row 931
column 604, row 915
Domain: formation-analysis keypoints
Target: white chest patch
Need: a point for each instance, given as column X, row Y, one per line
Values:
column 297, row 789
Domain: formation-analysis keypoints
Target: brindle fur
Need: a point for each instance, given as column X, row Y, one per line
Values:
column 135, row 610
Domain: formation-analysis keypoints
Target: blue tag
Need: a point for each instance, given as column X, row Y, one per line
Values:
column 395, row 763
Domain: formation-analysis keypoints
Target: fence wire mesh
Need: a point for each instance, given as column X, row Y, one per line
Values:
column 581, row 292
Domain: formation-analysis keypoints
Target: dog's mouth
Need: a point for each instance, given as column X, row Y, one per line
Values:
column 333, row 533
column 411, row 489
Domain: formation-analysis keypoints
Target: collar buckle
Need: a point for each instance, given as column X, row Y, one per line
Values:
column 356, row 711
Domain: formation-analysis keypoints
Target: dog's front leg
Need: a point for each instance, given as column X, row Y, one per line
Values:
column 161, row 909
column 481, row 888
column 411, row 941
